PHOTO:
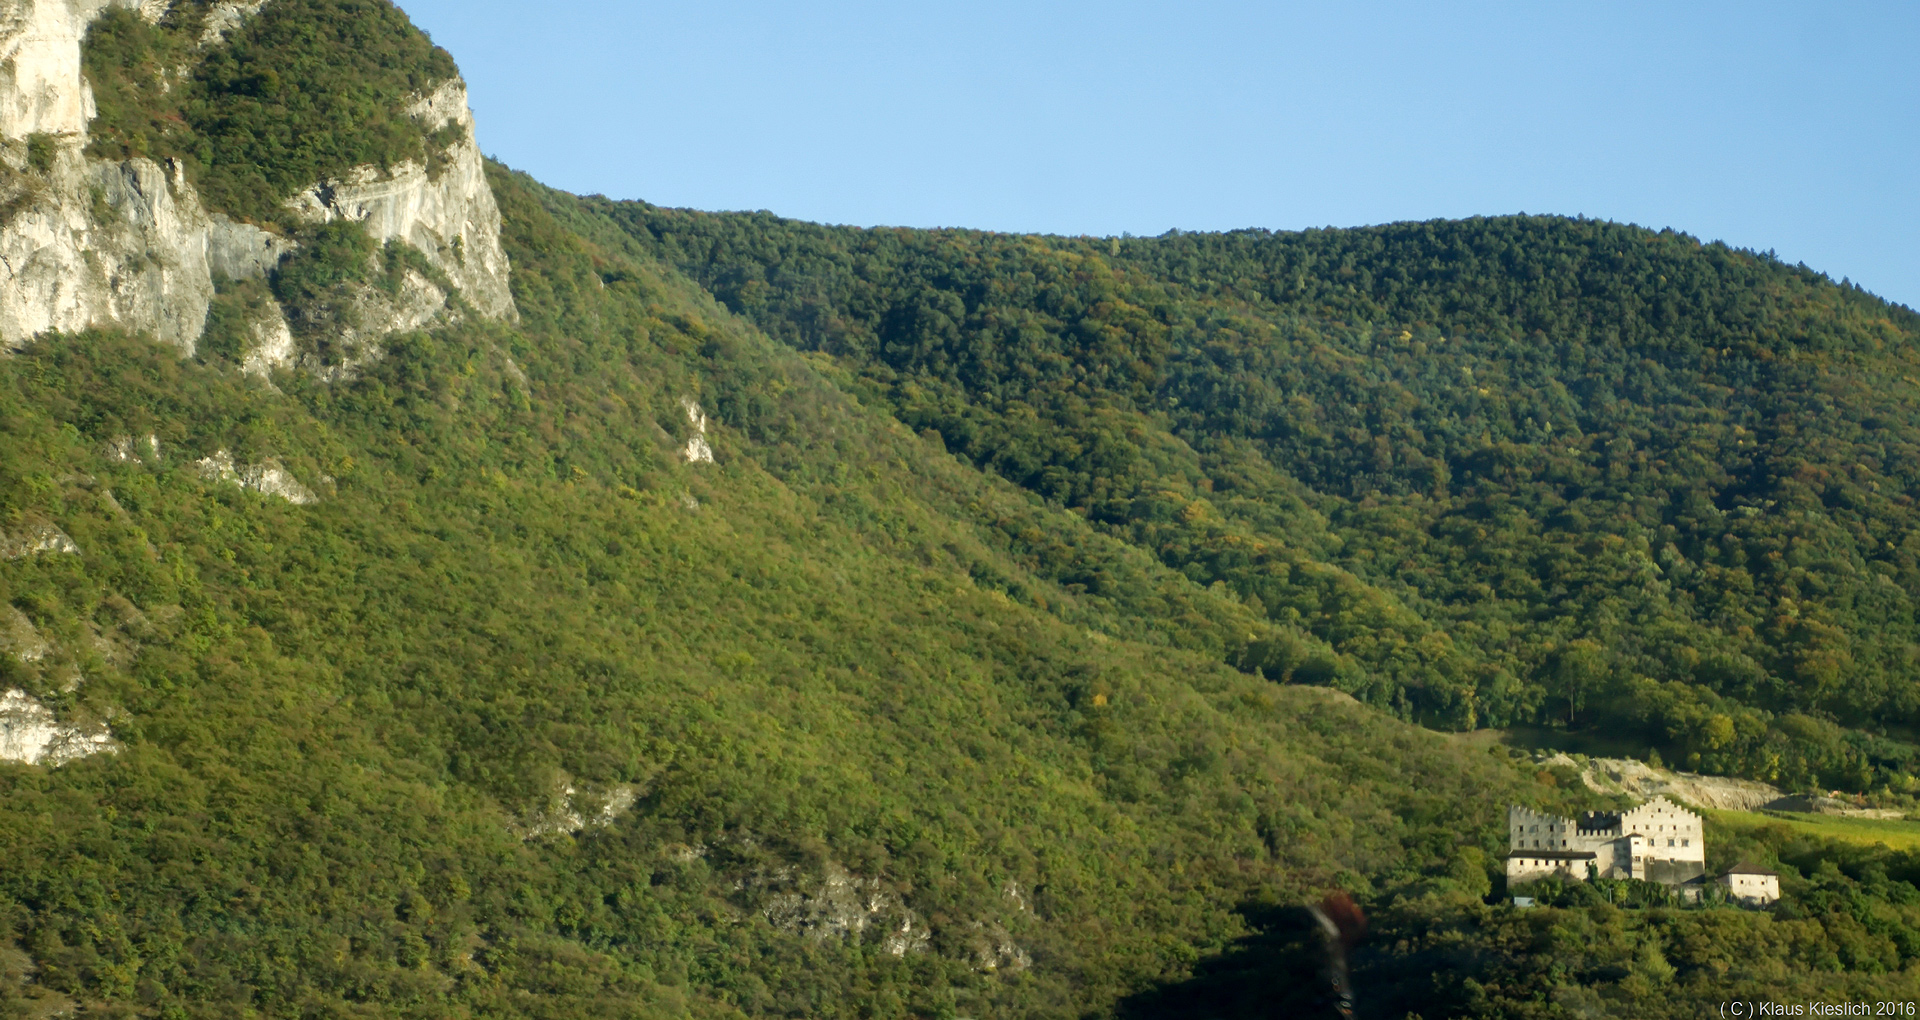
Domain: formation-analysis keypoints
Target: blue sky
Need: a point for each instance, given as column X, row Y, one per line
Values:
column 1792, row 127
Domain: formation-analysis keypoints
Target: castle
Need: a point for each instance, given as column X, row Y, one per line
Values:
column 1659, row 841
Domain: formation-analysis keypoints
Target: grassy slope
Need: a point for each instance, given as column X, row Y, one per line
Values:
column 1896, row 833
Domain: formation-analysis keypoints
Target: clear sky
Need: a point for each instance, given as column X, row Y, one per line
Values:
column 1792, row 127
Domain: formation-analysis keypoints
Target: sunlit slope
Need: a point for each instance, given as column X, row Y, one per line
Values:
column 905, row 633
column 1526, row 469
column 356, row 733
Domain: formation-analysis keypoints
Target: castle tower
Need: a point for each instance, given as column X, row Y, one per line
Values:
column 1540, row 845
column 1671, row 847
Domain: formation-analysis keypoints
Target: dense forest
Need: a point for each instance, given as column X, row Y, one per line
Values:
column 1054, row 618
column 1516, row 470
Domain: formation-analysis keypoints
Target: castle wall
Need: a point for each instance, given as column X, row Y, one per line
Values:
column 1659, row 841
column 1668, row 872
column 1528, row 829
column 1672, row 832
column 1522, row 869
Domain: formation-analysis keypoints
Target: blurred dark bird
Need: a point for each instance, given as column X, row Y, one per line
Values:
column 1342, row 923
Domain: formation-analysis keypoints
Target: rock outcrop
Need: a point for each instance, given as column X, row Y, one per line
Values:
column 101, row 243
column 127, row 450
column 20, row 639
column 85, row 242
column 41, row 88
column 226, row 16
column 576, row 808
column 1720, row 793
column 35, row 540
column 1641, row 781
column 242, row 251
column 446, row 211
column 270, row 344
column 267, row 478
column 30, row 734
column 697, row 451
column 88, row 242
column 992, row 948
column 839, row 905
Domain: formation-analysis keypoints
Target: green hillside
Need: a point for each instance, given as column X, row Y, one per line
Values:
column 1517, row 470
column 984, row 671
column 821, row 651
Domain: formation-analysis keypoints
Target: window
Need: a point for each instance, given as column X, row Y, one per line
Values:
column 1683, row 842
column 1669, row 842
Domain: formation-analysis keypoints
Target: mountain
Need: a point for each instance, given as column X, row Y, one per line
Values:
column 1512, row 471
column 431, row 594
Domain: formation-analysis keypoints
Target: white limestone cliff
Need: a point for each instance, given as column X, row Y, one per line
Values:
column 103, row 243
column 267, row 477
column 698, row 451
column 30, row 734
column 41, row 88
column 449, row 215
column 87, row 242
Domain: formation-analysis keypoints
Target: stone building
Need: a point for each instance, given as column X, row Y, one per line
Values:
column 1659, row 841
column 1750, row 885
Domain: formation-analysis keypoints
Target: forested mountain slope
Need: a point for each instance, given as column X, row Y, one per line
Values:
column 1523, row 469
column 592, row 653
column 347, row 724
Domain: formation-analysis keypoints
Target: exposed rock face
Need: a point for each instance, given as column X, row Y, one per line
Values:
column 449, row 215
column 994, row 949
column 20, row 639
column 226, row 16
column 271, row 344
column 697, row 451
column 1721, row 793
column 242, row 251
column 41, row 88
column 141, row 264
column 36, row 540
column 30, row 734
column 126, row 450
column 266, row 477
column 351, row 324
column 574, row 809
column 840, row 906
column 1640, row 780
column 87, row 242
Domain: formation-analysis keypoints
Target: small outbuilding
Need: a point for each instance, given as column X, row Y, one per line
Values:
column 1752, row 886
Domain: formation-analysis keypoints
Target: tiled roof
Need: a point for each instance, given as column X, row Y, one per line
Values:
column 1743, row 868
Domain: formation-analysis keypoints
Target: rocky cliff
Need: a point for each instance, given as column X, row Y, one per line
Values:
column 447, row 212
column 128, row 243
